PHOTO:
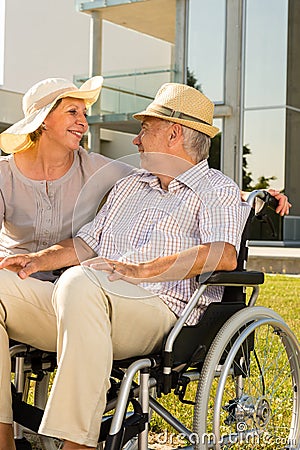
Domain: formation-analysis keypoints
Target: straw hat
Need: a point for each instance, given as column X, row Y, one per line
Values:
column 182, row 104
column 38, row 102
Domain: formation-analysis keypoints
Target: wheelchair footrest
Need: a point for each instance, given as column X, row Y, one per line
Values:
column 22, row 444
column 133, row 425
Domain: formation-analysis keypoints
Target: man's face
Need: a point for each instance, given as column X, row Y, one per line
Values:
column 152, row 143
column 158, row 154
column 153, row 135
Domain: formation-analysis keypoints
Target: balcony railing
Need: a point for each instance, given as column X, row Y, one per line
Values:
column 129, row 92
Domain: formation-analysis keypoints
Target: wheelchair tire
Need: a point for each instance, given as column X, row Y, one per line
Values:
column 254, row 400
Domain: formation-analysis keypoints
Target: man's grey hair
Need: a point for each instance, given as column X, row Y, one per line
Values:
column 196, row 144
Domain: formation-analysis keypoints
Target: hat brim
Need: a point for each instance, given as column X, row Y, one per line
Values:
column 209, row 130
column 16, row 139
column 88, row 91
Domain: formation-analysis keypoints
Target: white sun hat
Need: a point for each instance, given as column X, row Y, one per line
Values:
column 38, row 102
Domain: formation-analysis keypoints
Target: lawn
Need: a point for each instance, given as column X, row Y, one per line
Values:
column 282, row 294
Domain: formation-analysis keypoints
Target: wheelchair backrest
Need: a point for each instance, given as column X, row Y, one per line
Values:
column 237, row 293
column 193, row 342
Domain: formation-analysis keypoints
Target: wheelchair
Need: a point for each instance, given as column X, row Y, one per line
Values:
column 236, row 372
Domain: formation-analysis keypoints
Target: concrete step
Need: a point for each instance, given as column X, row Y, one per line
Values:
column 283, row 260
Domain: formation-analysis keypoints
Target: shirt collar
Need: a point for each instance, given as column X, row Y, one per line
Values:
column 191, row 177
column 149, row 178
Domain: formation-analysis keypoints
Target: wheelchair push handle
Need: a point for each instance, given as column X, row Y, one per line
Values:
column 260, row 199
column 262, row 202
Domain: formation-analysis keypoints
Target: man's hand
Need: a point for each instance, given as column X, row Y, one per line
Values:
column 116, row 270
column 23, row 265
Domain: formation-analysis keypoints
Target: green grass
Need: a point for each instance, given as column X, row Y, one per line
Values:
column 282, row 294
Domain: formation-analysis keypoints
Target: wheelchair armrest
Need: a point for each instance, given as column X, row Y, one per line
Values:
column 234, row 278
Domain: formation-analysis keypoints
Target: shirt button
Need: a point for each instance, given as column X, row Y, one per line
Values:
column 45, row 243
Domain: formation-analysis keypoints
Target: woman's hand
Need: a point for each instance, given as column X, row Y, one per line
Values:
column 23, row 265
column 284, row 205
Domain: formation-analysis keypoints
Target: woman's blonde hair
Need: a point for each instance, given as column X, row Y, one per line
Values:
column 35, row 135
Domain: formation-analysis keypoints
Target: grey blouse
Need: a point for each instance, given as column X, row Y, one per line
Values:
column 37, row 214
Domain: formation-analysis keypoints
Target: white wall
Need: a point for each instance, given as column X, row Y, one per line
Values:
column 43, row 38
column 49, row 38
column 115, row 145
column 128, row 49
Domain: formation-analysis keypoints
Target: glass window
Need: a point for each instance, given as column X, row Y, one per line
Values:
column 265, row 90
column 134, row 61
column 266, row 53
column 215, row 152
column 206, row 46
column 264, row 136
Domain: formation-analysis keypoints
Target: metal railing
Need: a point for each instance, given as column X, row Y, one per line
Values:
column 130, row 91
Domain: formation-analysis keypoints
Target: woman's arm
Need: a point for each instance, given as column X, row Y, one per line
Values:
column 64, row 254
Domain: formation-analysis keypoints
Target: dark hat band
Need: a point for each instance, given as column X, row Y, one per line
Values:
column 168, row 112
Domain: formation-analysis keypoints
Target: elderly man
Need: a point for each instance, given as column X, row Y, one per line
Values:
column 160, row 227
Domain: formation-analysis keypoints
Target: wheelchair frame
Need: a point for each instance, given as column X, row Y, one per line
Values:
column 218, row 350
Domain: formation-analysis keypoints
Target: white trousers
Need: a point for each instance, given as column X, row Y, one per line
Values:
column 97, row 321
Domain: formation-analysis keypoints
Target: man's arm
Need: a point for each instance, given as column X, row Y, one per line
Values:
column 186, row 264
column 64, row 254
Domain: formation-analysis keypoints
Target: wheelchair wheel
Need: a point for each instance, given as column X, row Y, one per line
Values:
column 249, row 391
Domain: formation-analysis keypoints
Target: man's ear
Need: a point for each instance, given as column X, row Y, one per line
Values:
column 175, row 133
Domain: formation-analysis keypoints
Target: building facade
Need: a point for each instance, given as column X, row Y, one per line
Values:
column 243, row 54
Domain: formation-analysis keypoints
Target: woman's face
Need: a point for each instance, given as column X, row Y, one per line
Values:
column 67, row 123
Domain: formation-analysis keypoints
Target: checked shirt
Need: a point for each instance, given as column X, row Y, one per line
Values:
column 140, row 222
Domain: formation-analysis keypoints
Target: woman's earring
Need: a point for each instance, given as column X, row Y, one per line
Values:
column 44, row 126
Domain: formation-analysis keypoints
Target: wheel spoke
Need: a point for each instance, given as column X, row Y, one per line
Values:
column 262, row 410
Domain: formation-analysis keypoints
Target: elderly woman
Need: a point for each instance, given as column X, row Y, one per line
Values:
column 50, row 186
